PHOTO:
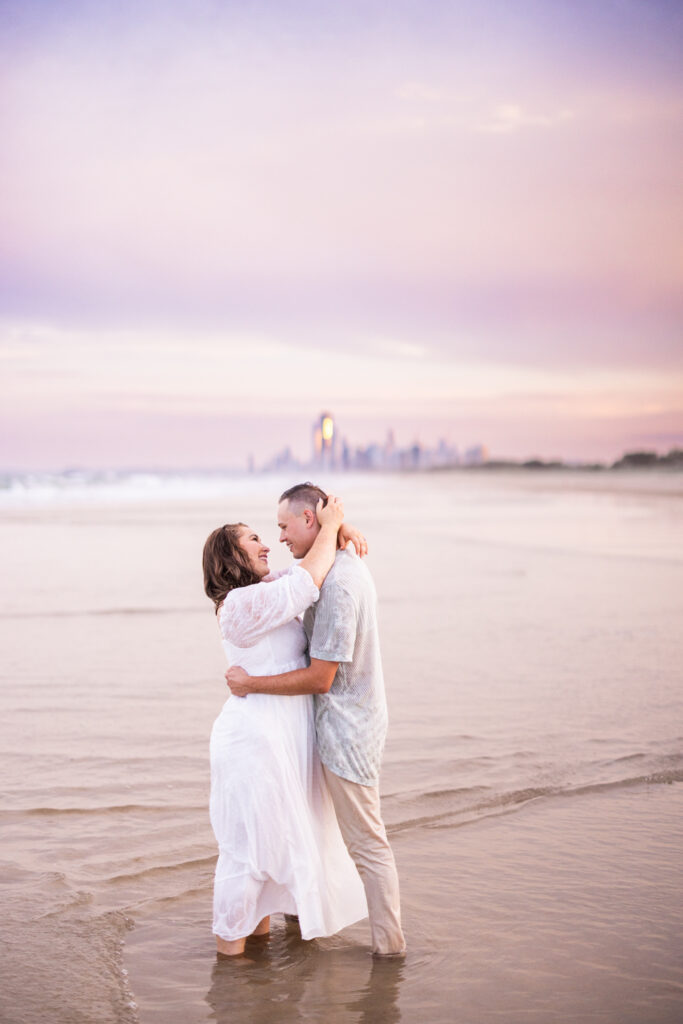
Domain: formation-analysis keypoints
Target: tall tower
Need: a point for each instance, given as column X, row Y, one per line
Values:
column 324, row 441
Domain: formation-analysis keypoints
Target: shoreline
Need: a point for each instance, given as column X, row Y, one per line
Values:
column 145, row 493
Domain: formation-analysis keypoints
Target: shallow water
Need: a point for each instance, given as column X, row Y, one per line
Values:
column 532, row 781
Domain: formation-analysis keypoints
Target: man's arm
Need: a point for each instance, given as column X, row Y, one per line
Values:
column 317, row 678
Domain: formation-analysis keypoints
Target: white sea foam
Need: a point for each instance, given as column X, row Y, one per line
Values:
column 85, row 488
column 36, row 490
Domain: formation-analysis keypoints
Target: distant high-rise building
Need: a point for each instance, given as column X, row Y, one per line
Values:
column 324, row 442
column 389, row 452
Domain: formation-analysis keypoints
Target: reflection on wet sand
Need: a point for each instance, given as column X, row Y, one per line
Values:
column 287, row 979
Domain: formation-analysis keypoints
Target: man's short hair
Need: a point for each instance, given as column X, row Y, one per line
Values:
column 306, row 495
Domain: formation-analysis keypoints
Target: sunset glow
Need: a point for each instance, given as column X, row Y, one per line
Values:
column 454, row 220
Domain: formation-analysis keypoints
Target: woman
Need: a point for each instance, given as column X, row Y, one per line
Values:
column 280, row 849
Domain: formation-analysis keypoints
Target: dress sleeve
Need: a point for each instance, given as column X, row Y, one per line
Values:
column 276, row 574
column 248, row 613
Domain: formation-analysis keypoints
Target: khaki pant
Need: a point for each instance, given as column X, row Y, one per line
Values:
column 361, row 825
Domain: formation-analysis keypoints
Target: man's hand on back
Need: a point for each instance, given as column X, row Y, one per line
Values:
column 315, row 678
column 238, row 681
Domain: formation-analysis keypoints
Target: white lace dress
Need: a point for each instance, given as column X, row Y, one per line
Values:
column 280, row 848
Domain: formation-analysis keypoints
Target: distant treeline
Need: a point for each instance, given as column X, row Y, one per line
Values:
column 630, row 460
column 640, row 459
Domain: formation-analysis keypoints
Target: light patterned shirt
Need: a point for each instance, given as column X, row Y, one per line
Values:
column 351, row 719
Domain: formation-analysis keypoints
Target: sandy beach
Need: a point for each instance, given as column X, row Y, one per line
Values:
column 533, row 778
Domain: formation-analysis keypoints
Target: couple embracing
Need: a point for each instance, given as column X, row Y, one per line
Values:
column 295, row 766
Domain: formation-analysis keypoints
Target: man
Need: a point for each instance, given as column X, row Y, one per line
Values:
column 345, row 676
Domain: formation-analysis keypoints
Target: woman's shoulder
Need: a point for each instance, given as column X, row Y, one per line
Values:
column 236, row 616
column 247, row 613
column 239, row 596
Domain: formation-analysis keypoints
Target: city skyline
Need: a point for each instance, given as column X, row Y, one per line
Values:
column 217, row 219
column 331, row 451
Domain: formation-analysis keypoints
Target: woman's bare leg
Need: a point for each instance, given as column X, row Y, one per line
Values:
column 230, row 947
column 236, row 946
column 263, row 927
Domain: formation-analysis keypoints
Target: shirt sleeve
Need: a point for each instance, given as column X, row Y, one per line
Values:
column 335, row 626
column 248, row 613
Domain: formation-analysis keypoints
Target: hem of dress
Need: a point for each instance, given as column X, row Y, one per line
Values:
column 308, row 935
column 314, row 932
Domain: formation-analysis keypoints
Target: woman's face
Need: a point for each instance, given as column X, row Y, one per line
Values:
column 256, row 552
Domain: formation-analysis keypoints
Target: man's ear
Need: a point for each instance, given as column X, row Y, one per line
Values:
column 309, row 516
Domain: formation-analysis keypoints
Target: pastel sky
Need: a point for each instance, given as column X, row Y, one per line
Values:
column 456, row 219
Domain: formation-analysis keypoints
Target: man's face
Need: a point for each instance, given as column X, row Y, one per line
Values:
column 298, row 528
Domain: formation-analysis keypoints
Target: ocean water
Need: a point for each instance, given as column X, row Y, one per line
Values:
column 533, row 778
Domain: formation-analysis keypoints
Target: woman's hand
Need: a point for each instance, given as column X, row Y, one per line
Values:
column 332, row 514
column 350, row 533
column 320, row 557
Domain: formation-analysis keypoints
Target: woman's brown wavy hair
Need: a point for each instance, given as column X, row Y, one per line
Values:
column 225, row 564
